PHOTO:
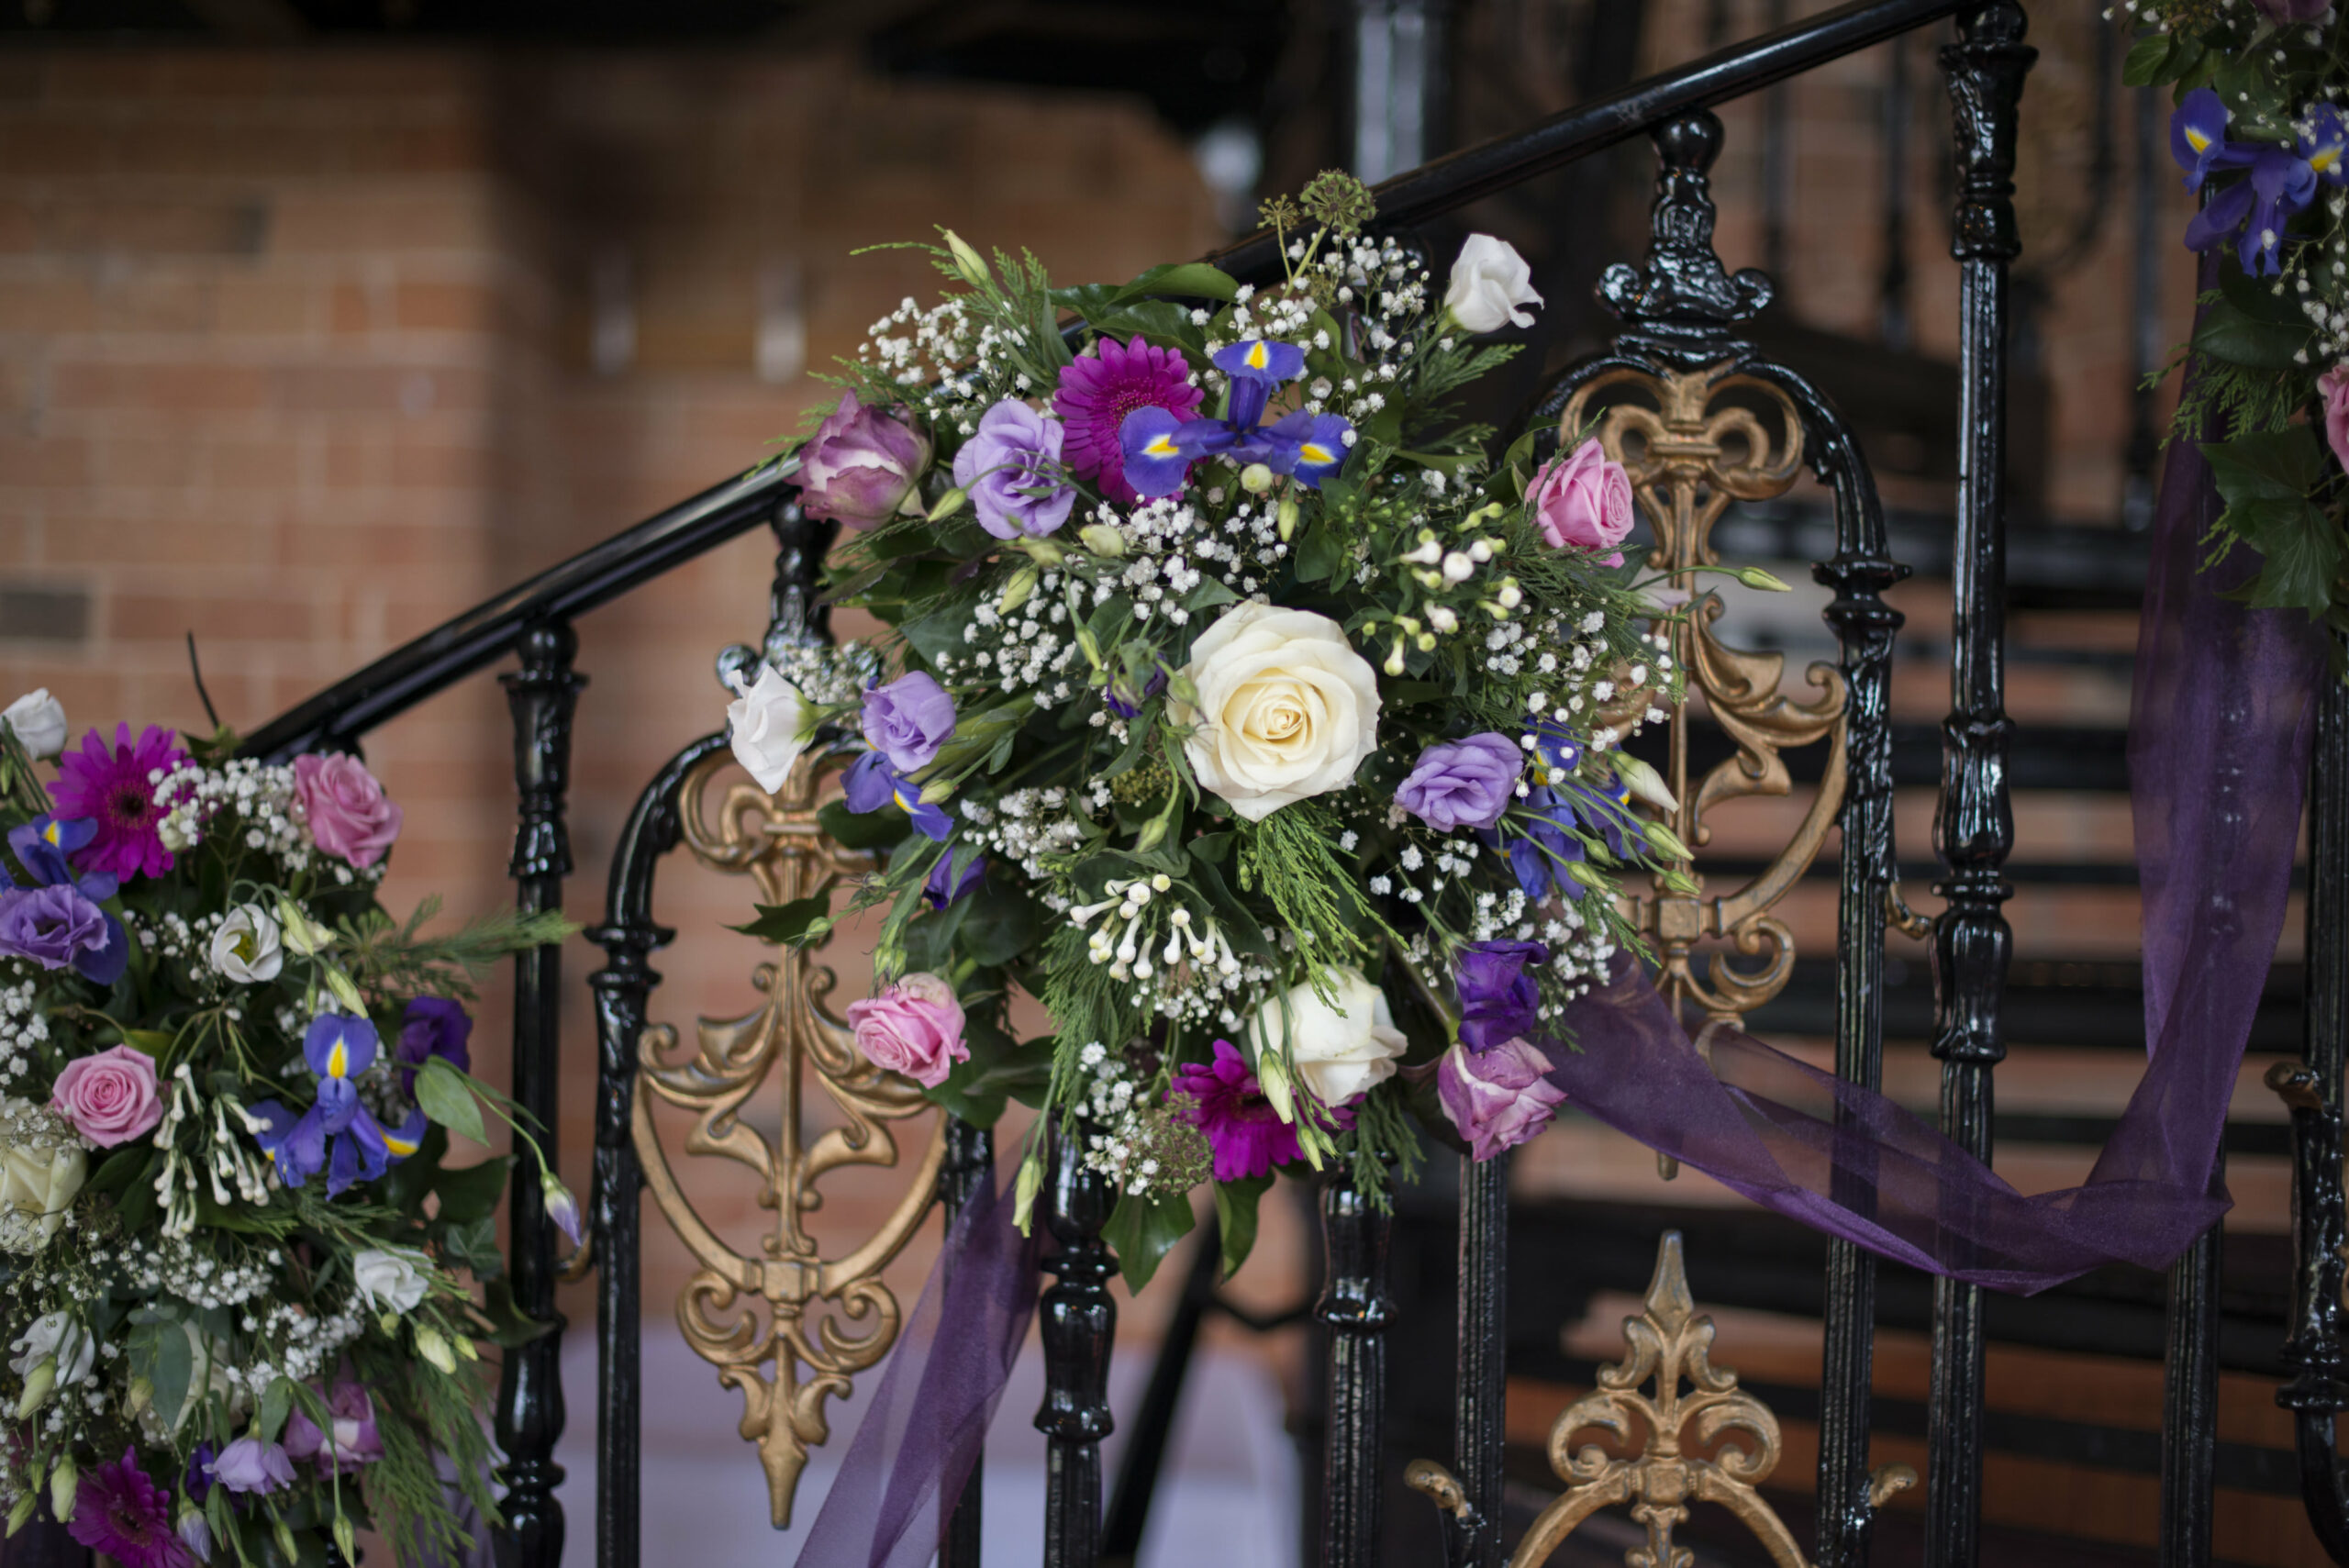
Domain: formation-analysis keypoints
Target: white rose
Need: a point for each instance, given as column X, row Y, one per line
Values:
column 246, row 948
column 42, row 1168
column 1286, row 709
column 55, row 1334
column 1339, row 1050
column 768, row 726
column 1490, row 281
column 393, row 1281
column 39, row 720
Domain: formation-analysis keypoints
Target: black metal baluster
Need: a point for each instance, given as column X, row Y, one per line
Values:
column 2190, row 1400
column 1355, row 1310
column 970, row 1165
column 543, row 695
column 1973, row 827
column 1080, row 1322
column 1478, row 1430
column 2319, row 1389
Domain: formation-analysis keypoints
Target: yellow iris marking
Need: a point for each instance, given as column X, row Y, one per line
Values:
column 1159, row 445
column 1256, row 356
column 1310, row 454
column 49, row 833
column 903, row 804
column 2197, row 140
column 2326, row 159
column 399, row 1145
column 338, row 1062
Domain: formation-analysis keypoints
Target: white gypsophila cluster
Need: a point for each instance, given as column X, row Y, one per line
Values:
column 23, row 1029
column 306, row 1344
column 1030, row 828
column 166, row 935
column 1020, row 641
column 175, row 1266
column 827, row 677
column 196, row 797
column 1111, row 1093
column 1168, row 549
column 957, row 367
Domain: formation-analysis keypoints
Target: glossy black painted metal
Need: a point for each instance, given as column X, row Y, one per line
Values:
column 1355, row 1310
column 2190, row 1403
column 969, row 1166
column 2318, row 1350
column 1974, row 827
column 1080, row 1322
column 543, row 694
column 1479, row 1433
column 623, row 993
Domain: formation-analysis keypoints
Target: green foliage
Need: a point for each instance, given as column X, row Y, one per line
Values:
column 1143, row 1230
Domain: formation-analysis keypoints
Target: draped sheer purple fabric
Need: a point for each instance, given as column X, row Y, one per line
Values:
column 927, row 1421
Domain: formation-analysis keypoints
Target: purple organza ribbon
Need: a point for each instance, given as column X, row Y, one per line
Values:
column 928, row 1419
column 2217, row 759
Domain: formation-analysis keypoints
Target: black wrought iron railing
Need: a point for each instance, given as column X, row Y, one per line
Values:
column 1680, row 315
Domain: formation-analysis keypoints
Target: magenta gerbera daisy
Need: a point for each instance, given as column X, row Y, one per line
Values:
column 114, row 787
column 118, row 1511
column 1223, row 1100
column 1099, row 388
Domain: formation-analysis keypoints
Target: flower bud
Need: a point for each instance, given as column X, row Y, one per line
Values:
column 1179, row 688
column 1152, row 834
column 1042, row 551
column 1286, row 518
column 1023, row 1194
column 1255, row 479
column 1394, row 664
column 466, row 1348
column 1102, row 540
column 64, row 1482
column 1272, row 1077
column 948, row 505
column 937, row 790
column 1679, row 880
column 21, row 1515
column 1665, row 841
column 1424, row 642
column 284, row 1538
column 562, row 1207
column 1645, row 782
column 433, row 1346
column 195, row 1530
column 296, row 931
column 345, row 1538
column 1754, row 577
column 969, row 262
column 38, row 1383
column 345, row 992
column 1016, row 592
column 1589, row 875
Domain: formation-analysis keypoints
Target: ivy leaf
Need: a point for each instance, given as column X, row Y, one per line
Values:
column 470, row 1193
column 2228, row 333
column 2302, row 549
column 999, row 1068
column 787, row 924
column 1235, row 1211
column 1004, row 924
column 474, row 1246
column 858, row 829
column 442, row 1094
column 1143, row 1230
column 2148, row 58
column 1320, row 555
column 2268, row 465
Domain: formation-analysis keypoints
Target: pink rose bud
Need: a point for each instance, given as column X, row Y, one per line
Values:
column 1583, row 502
column 914, row 1027
column 110, row 1097
column 858, row 466
column 2334, row 387
column 1498, row 1099
column 349, row 816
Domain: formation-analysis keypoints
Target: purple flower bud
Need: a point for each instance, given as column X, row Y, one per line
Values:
column 1497, row 999
column 1013, row 471
column 1121, row 699
column 1500, row 1099
column 907, row 720
column 937, row 889
column 858, row 466
column 194, row 1533
column 562, row 1207
column 431, row 1026
column 1463, row 784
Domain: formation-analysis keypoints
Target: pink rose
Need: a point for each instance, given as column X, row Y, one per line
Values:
column 1583, row 502
column 350, row 815
column 858, row 466
column 2333, row 386
column 914, row 1027
column 1498, row 1099
column 110, row 1097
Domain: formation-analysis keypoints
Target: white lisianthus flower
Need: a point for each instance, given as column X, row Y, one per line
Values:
column 1490, row 281
column 42, row 1168
column 248, row 947
column 39, row 720
column 55, row 1334
column 768, row 726
column 1341, row 1049
column 1286, row 709
column 392, row 1280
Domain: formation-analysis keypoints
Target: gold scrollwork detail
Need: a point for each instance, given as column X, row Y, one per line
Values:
column 1669, row 1343
column 823, row 1319
column 1692, row 442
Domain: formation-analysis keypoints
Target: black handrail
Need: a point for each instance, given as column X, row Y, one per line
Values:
column 334, row 719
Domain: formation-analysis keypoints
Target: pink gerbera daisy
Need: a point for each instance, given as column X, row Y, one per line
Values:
column 1099, row 388
column 114, row 786
column 118, row 1511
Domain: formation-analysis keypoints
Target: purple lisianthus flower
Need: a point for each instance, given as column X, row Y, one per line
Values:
column 108, row 786
column 1012, row 469
column 1099, row 388
column 1498, row 1000
column 55, row 927
column 250, row 1464
column 2198, row 138
column 118, row 1511
column 1223, row 1100
column 1500, row 1099
column 1463, row 784
column 907, row 720
column 349, row 1440
column 860, row 465
column 430, row 1027
column 943, row 886
column 871, row 783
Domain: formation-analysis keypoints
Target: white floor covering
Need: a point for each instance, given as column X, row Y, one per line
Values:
column 1226, row 1497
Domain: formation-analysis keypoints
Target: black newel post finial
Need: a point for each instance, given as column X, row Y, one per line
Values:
column 1080, row 1322
column 1974, row 827
column 543, row 695
column 1682, row 290
column 1355, row 1310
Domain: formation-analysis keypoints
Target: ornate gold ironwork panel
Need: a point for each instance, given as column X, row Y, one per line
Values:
column 1663, row 1434
column 1692, row 442
column 809, row 1299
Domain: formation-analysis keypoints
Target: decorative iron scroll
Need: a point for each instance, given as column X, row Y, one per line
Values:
column 1693, row 440
column 777, row 841
column 1668, row 1344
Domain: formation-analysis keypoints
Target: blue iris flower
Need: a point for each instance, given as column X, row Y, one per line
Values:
column 2254, row 211
column 337, row 1134
column 873, row 784
column 1160, row 448
column 2198, row 138
column 2324, row 143
column 44, row 847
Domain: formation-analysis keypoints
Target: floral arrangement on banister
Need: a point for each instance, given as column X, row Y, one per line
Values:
column 1236, row 705
column 238, row 1281
column 2261, row 133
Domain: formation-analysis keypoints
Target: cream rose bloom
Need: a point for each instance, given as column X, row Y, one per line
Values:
column 1286, row 709
column 42, row 1168
column 1490, row 283
column 1341, row 1049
